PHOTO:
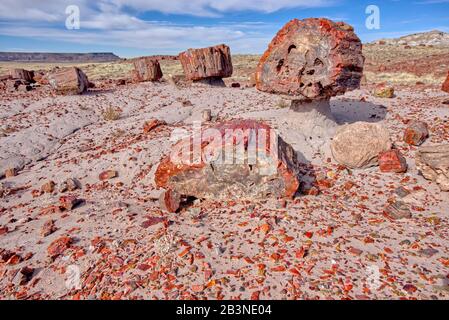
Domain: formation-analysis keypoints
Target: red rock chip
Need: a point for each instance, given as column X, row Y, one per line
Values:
column 59, row 246
column 392, row 161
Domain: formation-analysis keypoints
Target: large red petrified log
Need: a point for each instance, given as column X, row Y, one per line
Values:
column 212, row 62
column 147, row 69
column 240, row 159
column 68, row 81
column 312, row 59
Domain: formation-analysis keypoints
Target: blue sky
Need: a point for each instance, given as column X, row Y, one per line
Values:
column 145, row 27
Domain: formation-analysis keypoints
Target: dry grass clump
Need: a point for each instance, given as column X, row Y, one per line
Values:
column 281, row 104
column 111, row 114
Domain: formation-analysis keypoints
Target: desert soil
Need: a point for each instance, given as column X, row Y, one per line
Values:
column 333, row 245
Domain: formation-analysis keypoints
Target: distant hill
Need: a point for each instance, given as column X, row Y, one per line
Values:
column 434, row 38
column 58, row 57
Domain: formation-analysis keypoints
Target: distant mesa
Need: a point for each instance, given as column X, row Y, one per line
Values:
column 58, row 57
column 431, row 38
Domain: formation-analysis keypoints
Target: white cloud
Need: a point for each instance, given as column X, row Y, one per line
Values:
column 115, row 23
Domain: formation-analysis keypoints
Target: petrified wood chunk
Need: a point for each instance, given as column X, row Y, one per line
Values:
column 240, row 159
column 68, row 81
column 446, row 84
column 312, row 58
column 147, row 69
column 22, row 74
column 212, row 62
column 358, row 145
column 433, row 163
column 416, row 133
column 392, row 161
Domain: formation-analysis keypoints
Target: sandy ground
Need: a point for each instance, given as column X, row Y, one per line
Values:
column 334, row 245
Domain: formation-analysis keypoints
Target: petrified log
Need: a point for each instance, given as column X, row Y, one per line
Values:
column 240, row 159
column 446, row 84
column 22, row 74
column 312, row 59
column 147, row 69
column 68, row 81
column 433, row 163
column 212, row 62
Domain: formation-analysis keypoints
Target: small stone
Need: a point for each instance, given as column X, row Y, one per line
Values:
column 11, row 172
column 410, row 288
column 170, row 201
column 398, row 210
column 69, row 185
column 69, row 202
column 384, row 92
column 149, row 125
column 59, row 246
column 392, row 161
column 48, row 187
column 107, row 175
column 26, row 275
column 24, row 88
column 3, row 230
column 401, row 192
column 207, row 115
column 428, row 253
column 416, row 133
column 235, row 85
column 48, row 228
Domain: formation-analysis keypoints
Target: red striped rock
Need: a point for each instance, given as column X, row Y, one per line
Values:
column 392, row 161
column 68, row 81
column 212, row 62
column 225, row 162
column 147, row 69
column 312, row 59
column 170, row 201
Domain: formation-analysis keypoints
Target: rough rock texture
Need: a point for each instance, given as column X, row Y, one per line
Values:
column 416, row 133
column 68, row 81
column 212, row 62
column 147, row 69
column 384, row 92
column 169, row 201
column 312, row 58
column 271, row 172
column 22, row 74
column 392, row 161
column 446, row 84
column 433, row 163
column 358, row 145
